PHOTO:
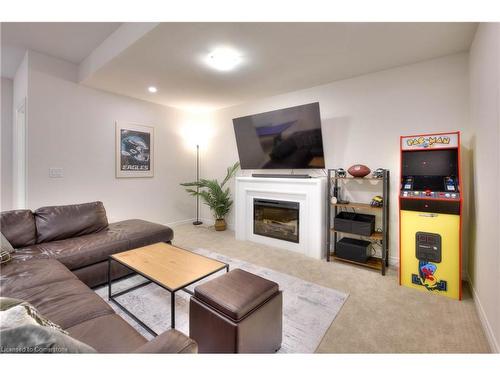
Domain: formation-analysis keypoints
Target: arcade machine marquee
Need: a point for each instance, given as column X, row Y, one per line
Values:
column 430, row 209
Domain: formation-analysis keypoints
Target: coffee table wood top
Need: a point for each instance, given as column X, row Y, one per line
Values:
column 169, row 266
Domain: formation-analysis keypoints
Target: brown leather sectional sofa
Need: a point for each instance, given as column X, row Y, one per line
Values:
column 61, row 251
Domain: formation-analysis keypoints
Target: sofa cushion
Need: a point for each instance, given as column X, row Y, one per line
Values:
column 17, row 276
column 108, row 334
column 61, row 222
column 89, row 249
column 142, row 233
column 30, row 253
column 79, row 251
column 18, row 227
column 236, row 293
column 66, row 303
column 53, row 290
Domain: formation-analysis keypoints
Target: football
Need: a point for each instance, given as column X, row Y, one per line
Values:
column 359, row 170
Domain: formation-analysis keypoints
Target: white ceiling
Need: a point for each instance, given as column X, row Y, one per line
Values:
column 70, row 41
column 278, row 58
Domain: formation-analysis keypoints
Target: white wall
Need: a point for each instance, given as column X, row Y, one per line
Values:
column 6, row 202
column 363, row 117
column 71, row 126
column 484, row 261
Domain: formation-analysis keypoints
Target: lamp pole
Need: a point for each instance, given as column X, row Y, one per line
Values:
column 197, row 222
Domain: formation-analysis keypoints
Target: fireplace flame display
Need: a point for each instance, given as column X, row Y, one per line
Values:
column 276, row 219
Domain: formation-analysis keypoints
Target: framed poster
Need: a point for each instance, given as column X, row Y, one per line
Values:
column 134, row 150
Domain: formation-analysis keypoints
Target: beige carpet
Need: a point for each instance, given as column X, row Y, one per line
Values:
column 378, row 317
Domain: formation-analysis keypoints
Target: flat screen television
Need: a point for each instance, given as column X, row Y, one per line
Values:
column 287, row 138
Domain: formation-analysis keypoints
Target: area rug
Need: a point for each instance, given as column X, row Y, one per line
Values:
column 308, row 309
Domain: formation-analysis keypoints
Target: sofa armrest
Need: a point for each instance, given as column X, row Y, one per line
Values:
column 171, row 341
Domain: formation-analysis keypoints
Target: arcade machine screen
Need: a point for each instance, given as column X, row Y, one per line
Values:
column 430, row 173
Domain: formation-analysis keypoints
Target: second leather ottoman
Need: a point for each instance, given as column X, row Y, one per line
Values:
column 238, row 312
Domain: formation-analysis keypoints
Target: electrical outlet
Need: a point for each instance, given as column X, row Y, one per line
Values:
column 56, row 172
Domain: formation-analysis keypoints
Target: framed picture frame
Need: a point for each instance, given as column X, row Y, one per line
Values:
column 134, row 150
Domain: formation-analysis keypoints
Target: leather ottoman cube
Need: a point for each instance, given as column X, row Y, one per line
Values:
column 238, row 312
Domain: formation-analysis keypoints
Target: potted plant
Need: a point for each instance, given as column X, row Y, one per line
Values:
column 214, row 195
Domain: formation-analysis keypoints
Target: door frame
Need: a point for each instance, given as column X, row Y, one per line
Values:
column 20, row 156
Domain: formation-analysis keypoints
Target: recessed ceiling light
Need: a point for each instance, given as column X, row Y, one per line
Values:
column 223, row 59
column 152, row 89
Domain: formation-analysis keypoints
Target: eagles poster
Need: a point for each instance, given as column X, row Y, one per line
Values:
column 134, row 150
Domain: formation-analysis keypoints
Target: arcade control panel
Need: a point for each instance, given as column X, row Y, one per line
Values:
column 430, row 187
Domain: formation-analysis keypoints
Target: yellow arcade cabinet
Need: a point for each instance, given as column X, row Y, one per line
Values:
column 430, row 209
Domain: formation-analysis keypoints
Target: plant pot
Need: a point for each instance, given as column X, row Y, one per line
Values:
column 220, row 224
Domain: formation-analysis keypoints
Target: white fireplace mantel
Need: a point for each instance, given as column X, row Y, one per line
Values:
column 310, row 193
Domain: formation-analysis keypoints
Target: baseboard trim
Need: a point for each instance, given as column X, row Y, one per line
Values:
column 211, row 221
column 204, row 220
column 490, row 336
column 174, row 224
column 394, row 261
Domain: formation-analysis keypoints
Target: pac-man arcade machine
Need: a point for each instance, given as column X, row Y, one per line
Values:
column 430, row 209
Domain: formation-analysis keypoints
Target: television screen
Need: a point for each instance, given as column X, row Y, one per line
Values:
column 288, row 138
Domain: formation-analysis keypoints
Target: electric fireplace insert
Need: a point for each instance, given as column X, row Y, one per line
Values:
column 276, row 219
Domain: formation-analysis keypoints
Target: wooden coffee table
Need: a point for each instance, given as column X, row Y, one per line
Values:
column 168, row 266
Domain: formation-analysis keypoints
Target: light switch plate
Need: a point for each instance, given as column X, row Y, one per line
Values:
column 56, row 172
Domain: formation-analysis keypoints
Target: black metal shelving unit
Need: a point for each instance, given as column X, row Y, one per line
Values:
column 376, row 262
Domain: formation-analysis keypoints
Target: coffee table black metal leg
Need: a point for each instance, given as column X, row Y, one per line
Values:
column 172, row 310
column 109, row 279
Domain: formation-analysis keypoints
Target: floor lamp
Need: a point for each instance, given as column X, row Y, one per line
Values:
column 197, row 222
